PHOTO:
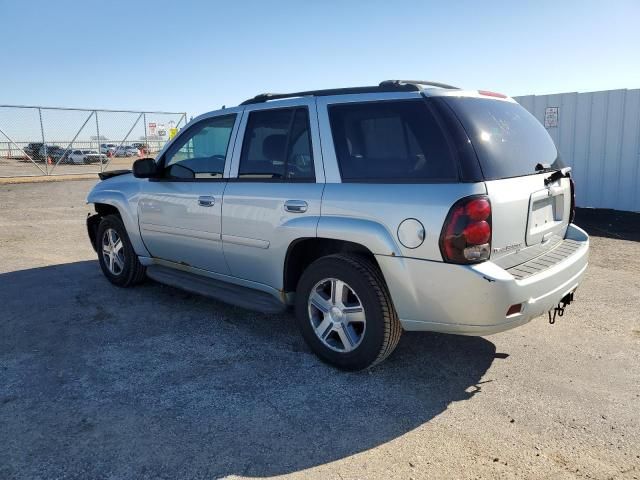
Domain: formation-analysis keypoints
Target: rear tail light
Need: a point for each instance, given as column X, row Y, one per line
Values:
column 572, row 215
column 466, row 234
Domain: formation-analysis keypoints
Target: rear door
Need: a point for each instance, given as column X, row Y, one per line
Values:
column 510, row 142
column 180, row 212
column 276, row 193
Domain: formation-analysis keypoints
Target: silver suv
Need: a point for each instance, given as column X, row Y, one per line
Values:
column 403, row 206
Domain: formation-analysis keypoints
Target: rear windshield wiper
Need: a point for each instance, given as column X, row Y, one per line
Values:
column 557, row 174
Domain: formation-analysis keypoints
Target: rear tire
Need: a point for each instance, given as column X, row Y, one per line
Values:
column 118, row 260
column 345, row 313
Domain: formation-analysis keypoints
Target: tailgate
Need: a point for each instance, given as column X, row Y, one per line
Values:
column 527, row 217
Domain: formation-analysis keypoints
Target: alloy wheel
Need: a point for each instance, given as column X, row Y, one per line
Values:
column 337, row 315
column 113, row 251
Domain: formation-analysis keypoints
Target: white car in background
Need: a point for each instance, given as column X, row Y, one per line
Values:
column 126, row 151
column 107, row 147
column 85, row 157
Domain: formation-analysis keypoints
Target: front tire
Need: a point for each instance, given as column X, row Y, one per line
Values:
column 118, row 260
column 344, row 312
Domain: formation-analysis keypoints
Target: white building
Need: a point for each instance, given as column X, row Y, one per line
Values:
column 598, row 135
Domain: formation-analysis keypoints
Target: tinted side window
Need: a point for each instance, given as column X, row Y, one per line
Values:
column 277, row 145
column 200, row 152
column 390, row 141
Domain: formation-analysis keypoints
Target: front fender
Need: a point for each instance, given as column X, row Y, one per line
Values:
column 367, row 233
column 128, row 212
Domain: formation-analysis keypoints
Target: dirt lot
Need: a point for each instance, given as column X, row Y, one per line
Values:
column 151, row 382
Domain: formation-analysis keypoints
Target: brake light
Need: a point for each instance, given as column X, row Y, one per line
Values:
column 477, row 232
column 572, row 215
column 487, row 93
column 466, row 233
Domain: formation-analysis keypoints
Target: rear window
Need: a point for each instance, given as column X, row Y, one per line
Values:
column 390, row 141
column 508, row 140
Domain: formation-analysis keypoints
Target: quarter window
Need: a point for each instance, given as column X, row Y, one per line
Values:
column 390, row 141
column 201, row 151
column 277, row 145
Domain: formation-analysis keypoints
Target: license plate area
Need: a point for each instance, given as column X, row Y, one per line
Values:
column 546, row 215
column 543, row 213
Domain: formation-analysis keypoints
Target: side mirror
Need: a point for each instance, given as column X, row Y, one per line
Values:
column 145, row 168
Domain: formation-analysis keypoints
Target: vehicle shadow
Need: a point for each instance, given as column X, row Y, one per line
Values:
column 98, row 381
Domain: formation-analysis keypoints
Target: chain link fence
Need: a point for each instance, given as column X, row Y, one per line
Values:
column 69, row 141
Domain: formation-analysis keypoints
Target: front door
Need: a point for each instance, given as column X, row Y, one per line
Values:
column 180, row 212
column 276, row 193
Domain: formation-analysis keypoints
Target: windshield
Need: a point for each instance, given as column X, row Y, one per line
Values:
column 508, row 140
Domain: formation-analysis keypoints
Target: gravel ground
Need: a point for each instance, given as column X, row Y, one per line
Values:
column 152, row 382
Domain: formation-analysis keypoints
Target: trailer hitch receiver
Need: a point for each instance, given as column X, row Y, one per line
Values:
column 559, row 309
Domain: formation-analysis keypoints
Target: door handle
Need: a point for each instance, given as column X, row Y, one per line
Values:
column 206, row 201
column 295, row 206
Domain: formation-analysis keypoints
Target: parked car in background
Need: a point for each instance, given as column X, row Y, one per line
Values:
column 107, row 147
column 86, row 156
column 52, row 154
column 143, row 147
column 36, row 151
column 33, row 150
column 126, row 151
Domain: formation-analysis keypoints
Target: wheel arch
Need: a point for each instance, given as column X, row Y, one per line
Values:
column 304, row 251
column 115, row 203
column 372, row 235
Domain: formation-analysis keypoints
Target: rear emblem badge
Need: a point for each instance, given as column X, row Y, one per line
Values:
column 506, row 248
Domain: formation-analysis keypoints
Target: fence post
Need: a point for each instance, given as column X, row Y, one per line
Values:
column 44, row 143
column 98, row 137
column 146, row 138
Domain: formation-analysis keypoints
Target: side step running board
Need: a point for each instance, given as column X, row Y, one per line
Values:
column 225, row 292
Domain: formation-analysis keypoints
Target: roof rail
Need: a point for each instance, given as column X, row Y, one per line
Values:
column 418, row 83
column 386, row 86
column 391, row 87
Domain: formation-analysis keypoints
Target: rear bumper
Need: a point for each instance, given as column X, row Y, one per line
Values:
column 473, row 300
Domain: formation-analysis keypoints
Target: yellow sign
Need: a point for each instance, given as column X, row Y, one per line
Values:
column 172, row 132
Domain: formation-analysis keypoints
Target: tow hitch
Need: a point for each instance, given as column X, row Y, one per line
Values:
column 559, row 310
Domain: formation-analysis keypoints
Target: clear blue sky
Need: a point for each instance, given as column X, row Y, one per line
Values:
column 195, row 56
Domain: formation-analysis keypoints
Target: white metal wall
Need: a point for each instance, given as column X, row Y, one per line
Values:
column 598, row 135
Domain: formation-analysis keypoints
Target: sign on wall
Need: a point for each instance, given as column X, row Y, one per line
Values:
column 551, row 117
